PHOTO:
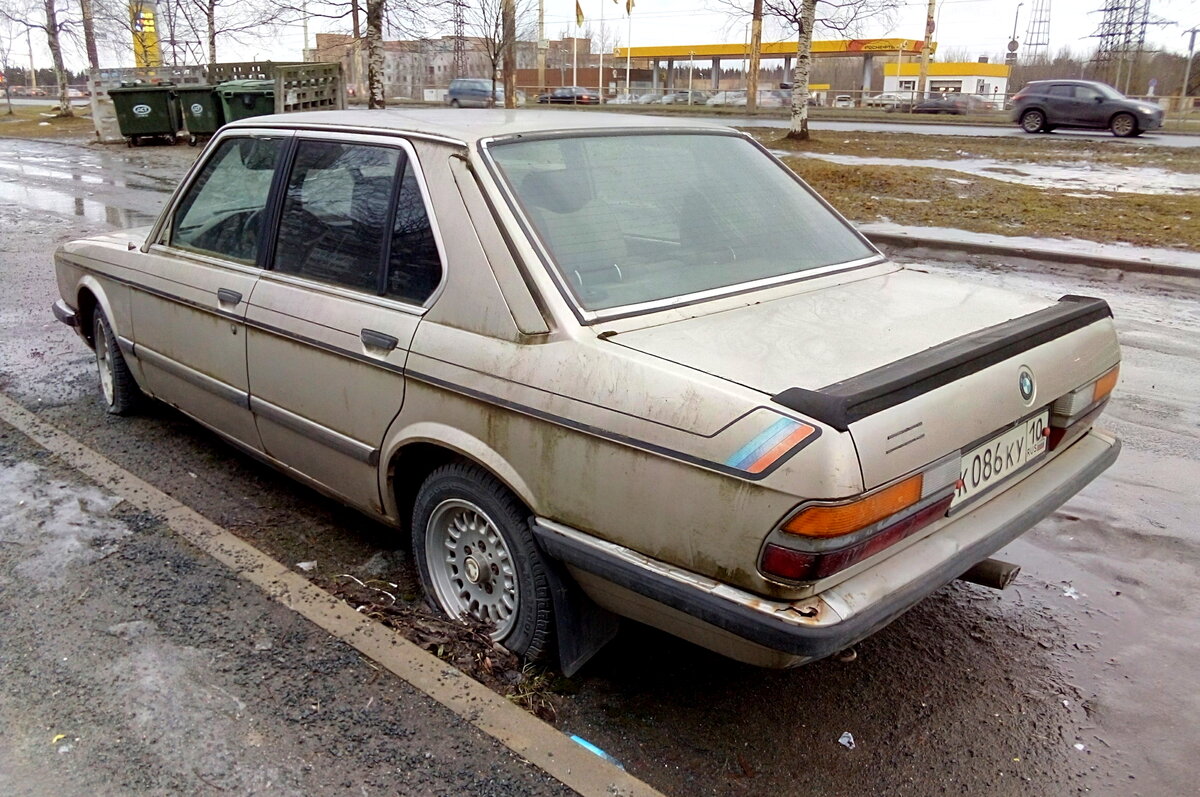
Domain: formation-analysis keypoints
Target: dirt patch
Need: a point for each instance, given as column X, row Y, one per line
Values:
column 928, row 197
column 1030, row 149
column 30, row 121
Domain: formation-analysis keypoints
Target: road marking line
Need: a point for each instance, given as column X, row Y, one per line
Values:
column 529, row 737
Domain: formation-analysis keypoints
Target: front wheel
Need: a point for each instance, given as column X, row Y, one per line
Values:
column 1123, row 125
column 477, row 558
column 118, row 392
column 1033, row 121
column 454, row 104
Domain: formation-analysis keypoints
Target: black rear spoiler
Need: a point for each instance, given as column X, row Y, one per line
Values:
column 853, row 399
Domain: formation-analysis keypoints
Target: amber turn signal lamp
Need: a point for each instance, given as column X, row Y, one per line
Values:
column 834, row 521
column 1105, row 384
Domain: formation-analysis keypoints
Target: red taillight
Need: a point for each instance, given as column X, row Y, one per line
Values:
column 794, row 565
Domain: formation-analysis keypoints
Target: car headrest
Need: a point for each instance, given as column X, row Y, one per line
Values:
column 559, row 191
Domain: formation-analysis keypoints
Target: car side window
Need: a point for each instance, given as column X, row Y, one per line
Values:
column 1062, row 92
column 414, row 266
column 222, row 213
column 334, row 220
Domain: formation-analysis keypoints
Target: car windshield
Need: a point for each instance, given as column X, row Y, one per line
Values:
column 635, row 218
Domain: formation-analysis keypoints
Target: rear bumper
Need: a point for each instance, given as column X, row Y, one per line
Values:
column 65, row 314
column 745, row 625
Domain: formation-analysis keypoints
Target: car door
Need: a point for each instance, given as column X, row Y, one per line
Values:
column 1093, row 107
column 189, row 312
column 354, row 261
column 1060, row 104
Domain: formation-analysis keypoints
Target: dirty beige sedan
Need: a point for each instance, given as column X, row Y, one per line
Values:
column 600, row 366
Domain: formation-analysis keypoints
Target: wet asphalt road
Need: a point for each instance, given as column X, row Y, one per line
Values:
column 1080, row 679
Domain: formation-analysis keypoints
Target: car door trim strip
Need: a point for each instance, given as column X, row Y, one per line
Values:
column 858, row 397
column 343, row 444
column 203, row 381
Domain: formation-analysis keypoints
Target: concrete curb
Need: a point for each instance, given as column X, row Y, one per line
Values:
column 529, row 737
column 1134, row 263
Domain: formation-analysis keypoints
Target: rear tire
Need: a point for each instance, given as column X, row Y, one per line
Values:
column 1033, row 121
column 1123, row 125
column 477, row 557
column 119, row 393
column 454, row 104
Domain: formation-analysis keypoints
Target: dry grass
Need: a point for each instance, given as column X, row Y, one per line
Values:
column 1017, row 149
column 931, row 197
column 38, row 121
column 923, row 197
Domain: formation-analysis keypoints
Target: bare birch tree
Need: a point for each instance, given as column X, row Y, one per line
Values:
column 485, row 23
column 803, row 17
column 57, row 24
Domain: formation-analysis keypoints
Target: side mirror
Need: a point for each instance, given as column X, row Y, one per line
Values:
column 1098, row 99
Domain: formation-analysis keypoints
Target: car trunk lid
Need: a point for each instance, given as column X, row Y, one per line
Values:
column 857, row 357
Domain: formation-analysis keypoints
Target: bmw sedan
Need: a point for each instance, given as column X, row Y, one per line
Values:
column 584, row 385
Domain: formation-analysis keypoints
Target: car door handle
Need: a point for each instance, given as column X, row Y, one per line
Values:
column 226, row 296
column 378, row 340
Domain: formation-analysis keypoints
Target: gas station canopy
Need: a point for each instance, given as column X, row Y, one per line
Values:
column 824, row 49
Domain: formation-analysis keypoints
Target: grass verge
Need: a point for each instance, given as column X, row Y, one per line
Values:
column 38, row 121
column 1017, row 149
column 931, row 197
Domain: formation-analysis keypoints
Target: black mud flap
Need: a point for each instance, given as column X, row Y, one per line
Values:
column 582, row 627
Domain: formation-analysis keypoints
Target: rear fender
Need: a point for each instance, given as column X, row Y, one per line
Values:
column 454, row 440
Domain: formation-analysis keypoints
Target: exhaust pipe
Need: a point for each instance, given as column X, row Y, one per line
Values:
column 992, row 573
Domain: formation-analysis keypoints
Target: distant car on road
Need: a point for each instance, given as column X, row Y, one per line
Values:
column 471, row 92
column 726, row 98
column 843, row 101
column 685, row 98
column 570, row 95
column 956, row 104
column 890, row 100
column 1046, row 104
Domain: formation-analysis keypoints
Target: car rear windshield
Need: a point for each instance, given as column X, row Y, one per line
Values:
column 632, row 219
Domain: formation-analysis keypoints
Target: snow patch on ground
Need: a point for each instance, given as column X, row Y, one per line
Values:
column 68, row 525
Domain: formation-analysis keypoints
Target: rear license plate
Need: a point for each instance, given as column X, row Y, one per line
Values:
column 991, row 463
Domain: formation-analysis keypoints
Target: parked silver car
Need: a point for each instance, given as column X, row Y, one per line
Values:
column 599, row 366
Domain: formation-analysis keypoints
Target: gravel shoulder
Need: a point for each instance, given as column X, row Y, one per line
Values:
column 133, row 664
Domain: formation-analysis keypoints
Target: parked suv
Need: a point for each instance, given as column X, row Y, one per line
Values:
column 472, row 92
column 1046, row 104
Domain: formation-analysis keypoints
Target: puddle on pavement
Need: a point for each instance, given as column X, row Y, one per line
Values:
column 56, row 202
column 1093, row 177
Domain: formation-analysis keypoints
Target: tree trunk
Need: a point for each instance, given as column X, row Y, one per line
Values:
column 375, row 98
column 755, row 56
column 354, row 19
column 210, row 19
column 509, row 14
column 60, row 72
column 802, row 70
column 89, row 34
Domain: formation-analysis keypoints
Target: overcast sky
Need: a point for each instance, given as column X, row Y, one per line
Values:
column 981, row 27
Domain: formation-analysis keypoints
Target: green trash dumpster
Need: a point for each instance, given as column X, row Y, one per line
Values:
column 241, row 99
column 146, row 110
column 202, row 111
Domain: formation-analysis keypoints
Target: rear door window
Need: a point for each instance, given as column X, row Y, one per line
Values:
column 335, row 213
column 223, row 212
column 354, row 216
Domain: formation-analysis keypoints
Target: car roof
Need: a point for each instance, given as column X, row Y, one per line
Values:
column 470, row 126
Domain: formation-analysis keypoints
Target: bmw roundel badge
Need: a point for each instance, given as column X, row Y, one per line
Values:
column 1025, row 383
